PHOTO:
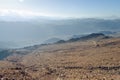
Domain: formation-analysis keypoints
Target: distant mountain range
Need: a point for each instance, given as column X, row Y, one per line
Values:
column 36, row 31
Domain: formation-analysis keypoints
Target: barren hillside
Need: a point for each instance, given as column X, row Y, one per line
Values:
column 80, row 60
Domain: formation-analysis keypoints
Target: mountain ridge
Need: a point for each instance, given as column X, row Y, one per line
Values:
column 30, row 49
column 28, row 32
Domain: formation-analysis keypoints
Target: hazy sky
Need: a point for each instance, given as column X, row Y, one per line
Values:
column 61, row 8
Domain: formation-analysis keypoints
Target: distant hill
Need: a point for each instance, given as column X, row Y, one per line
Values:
column 90, row 36
column 10, row 52
column 60, row 41
column 94, row 35
column 107, row 32
column 4, row 54
column 111, row 33
column 52, row 40
column 77, row 36
column 116, row 34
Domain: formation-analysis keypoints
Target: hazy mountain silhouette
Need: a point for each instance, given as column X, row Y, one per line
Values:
column 52, row 40
column 38, row 30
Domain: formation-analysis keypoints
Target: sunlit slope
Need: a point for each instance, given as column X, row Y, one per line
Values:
column 80, row 60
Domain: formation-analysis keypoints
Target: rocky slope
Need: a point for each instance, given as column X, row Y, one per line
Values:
column 80, row 60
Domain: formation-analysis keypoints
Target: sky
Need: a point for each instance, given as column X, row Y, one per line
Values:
column 61, row 8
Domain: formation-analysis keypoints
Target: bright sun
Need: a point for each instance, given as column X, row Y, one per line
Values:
column 21, row 0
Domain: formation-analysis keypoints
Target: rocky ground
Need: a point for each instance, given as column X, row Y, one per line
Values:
column 81, row 60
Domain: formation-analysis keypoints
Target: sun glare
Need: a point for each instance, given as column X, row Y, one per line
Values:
column 22, row 13
column 21, row 0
